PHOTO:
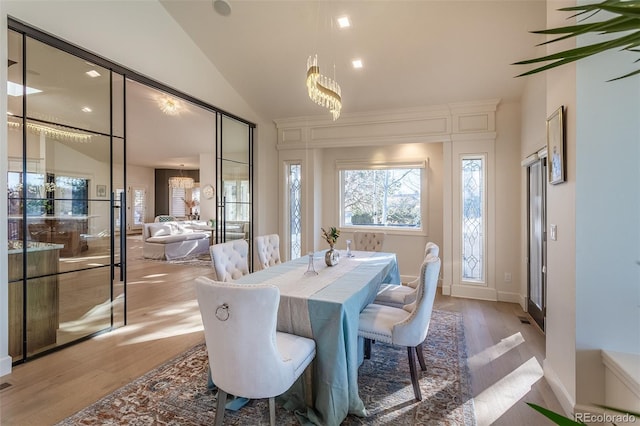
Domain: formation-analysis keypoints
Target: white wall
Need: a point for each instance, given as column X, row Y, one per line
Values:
column 533, row 138
column 507, row 202
column 607, row 217
column 559, row 365
column 143, row 37
column 265, row 174
column 593, row 299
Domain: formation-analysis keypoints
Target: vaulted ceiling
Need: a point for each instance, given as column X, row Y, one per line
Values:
column 415, row 53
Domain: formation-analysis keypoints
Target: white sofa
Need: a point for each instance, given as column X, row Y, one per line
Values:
column 174, row 240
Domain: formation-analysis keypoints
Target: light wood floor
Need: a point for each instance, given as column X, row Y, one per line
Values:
column 504, row 355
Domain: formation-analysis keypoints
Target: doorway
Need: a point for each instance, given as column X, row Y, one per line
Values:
column 537, row 241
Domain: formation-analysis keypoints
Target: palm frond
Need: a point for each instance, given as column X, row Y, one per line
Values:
column 555, row 417
column 627, row 19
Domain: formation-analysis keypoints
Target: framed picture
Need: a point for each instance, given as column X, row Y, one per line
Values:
column 555, row 146
column 101, row 191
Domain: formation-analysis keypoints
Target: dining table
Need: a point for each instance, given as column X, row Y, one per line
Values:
column 325, row 306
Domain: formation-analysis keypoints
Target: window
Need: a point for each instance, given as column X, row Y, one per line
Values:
column 48, row 194
column 177, row 207
column 236, row 194
column 473, row 219
column 381, row 195
column 71, row 194
column 294, row 192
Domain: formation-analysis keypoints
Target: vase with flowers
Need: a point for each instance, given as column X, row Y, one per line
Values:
column 191, row 204
column 331, row 257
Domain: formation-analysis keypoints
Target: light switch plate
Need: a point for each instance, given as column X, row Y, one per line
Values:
column 553, row 232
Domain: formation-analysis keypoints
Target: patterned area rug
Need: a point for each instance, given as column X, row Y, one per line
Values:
column 176, row 392
column 201, row 260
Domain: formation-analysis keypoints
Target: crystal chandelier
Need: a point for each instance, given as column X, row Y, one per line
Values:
column 323, row 90
column 181, row 181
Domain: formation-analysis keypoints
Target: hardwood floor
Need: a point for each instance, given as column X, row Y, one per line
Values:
column 504, row 354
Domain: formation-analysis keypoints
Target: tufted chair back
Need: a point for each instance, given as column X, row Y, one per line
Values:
column 247, row 356
column 368, row 241
column 268, row 248
column 230, row 259
column 413, row 329
column 431, row 249
column 407, row 326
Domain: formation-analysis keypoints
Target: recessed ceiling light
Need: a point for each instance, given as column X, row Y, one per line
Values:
column 343, row 22
column 86, row 109
column 357, row 63
column 93, row 73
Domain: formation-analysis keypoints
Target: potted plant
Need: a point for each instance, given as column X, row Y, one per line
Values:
column 332, row 256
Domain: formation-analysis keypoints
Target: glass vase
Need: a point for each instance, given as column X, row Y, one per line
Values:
column 311, row 270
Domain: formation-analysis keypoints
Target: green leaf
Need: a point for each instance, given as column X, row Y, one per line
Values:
column 555, row 417
column 628, row 19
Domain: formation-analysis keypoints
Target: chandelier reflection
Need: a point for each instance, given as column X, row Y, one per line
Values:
column 169, row 105
column 51, row 132
column 181, row 181
column 323, row 90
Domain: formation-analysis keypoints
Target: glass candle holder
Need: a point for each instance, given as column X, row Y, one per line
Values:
column 311, row 270
column 349, row 254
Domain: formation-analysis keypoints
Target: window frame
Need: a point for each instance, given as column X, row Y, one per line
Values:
column 483, row 281
column 348, row 165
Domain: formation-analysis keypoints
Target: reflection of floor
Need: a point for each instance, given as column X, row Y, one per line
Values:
column 84, row 290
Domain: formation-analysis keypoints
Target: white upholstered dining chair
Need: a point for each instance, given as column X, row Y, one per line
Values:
column 407, row 326
column 230, row 259
column 400, row 295
column 368, row 241
column 238, row 318
column 268, row 248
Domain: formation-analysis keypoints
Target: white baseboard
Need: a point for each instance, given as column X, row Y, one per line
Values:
column 566, row 401
column 524, row 302
column 510, row 297
column 407, row 278
column 5, row 365
column 474, row 292
column 446, row 289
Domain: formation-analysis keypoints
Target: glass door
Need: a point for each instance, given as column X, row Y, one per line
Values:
column 537, row 242
column 235, row 170
column 66, row 146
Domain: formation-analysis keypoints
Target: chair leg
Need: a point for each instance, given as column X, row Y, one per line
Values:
column 220, row 407
column 367, row 348
column 414, row 374
column 423, row 366
column 272, row 411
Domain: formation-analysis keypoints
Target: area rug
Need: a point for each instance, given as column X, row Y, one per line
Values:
column 200, row 260
column 176, row 392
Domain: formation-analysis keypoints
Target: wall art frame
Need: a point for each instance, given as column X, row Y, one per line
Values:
column 556, row 146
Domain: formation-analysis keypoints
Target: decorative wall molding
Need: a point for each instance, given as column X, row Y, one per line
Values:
column 443, row 123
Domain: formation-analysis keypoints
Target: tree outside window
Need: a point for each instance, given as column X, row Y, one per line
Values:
column 389, row 197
